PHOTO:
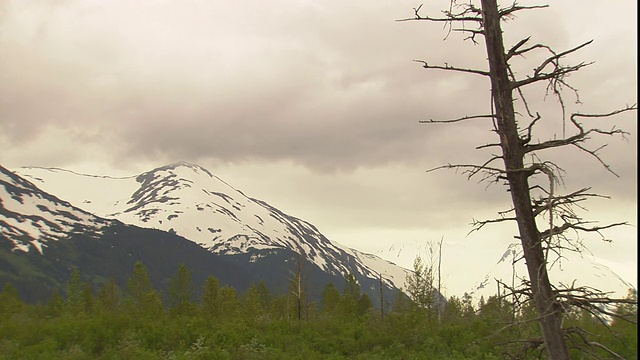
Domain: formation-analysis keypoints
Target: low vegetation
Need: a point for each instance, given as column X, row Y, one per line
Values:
column 138, row 322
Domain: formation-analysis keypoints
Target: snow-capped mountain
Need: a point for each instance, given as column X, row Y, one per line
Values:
column 571, row 270
column 190, row 201
column 43, row 238
column 472, row 268
column 30, row 218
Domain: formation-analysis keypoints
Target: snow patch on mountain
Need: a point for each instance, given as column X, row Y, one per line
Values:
column 189, row 200
column 472, row 267
column 30, row 218
column 571, row 270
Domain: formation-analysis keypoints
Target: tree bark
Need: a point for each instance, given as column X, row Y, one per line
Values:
column 547, row 307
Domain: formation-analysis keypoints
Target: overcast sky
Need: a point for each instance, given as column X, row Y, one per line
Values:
column 312, row 106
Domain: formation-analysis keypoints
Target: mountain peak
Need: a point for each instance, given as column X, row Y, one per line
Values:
column 187, row 199
column 183, row 165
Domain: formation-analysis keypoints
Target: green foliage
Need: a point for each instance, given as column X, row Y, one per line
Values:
column 181, row 291
column 261, row 325
column 75, row 300
column 256, row 302
column 109, row 297
column 420, row 287
column 330, row 299
column 228, row 303
column 353, row 303
column 209, row 306
column 10, row 301
column 141, row 298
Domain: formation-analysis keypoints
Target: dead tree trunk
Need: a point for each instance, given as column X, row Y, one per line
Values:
column 551, row 303
column 548, row 308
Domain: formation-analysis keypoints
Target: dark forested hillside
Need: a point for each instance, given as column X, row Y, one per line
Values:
column 113, row 254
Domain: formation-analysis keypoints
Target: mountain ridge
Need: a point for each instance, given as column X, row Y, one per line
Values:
column 189, row 201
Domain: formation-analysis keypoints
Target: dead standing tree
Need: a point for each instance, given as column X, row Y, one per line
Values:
column 521, row 162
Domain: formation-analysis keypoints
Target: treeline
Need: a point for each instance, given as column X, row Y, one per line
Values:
column 138, row 322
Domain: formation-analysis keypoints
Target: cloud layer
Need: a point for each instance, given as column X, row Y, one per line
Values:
column 322, row 96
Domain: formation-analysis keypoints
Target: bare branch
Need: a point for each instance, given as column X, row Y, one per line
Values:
column 479, row 224
column 431, row 121
column 558, row 71
column 473, row 32
column 584, row 337
column 520, row 52
column 559, row 201
column 448, row 16
column 555, row 74
column 611, row 113
column 468, row 167
column 565, row 226
column 452, row 68
column 487, row 146
column 514, row 49
column 553, row 59
column 595, row 155
column 514, row 7
column 527, row 138
column 582, row 133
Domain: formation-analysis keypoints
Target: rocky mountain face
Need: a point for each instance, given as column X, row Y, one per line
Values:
column 188, row 204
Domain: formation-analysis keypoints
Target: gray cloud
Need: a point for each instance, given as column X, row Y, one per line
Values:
column 311, row 106
column 331, row 86
column 220, row 83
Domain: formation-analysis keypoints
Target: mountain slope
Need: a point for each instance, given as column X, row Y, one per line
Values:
column 188, row 200
column 31, row 218
column 43, row 238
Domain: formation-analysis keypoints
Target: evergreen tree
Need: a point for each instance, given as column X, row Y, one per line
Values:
column 330, row 299
column 452, row 310
column 87, row 298
column 354, row 303
column 350, row 295
column 142, row 298
column 420, row 286
column 625, row 326
column 468, row 311
column 56, row 305
column 109, row 297
column 364, row 305
column 229, row 305
column 256, row 301
column 10, row 301
column 401, row 303
column 181, row 290
column 210, row 305
column 75, row 304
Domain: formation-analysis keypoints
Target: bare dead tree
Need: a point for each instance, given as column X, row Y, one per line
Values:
column 439, row 293
column 536, row 204
column 296, row 287
column 381, row 297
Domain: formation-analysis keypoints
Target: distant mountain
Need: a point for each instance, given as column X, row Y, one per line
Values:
column 188, row 201
column 573, row 269
column 482, row 273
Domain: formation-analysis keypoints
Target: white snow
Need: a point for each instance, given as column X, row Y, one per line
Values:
column 36, row 218
column 192, row 202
